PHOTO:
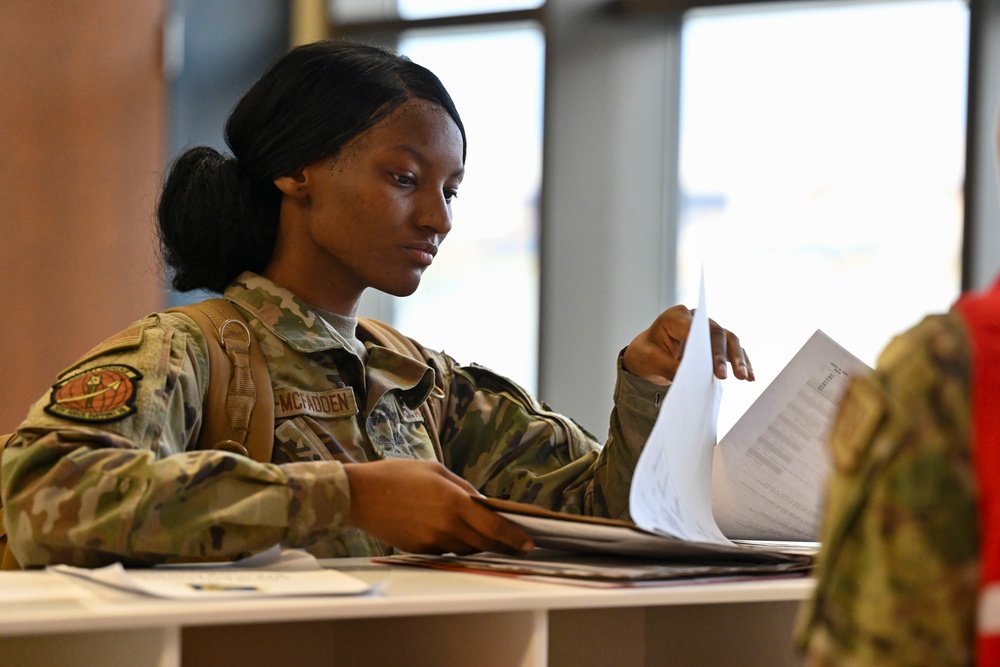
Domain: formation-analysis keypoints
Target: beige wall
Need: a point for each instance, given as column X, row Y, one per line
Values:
column 81, row 151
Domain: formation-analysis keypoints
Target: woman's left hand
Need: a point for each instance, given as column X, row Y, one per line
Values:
column 656, row 352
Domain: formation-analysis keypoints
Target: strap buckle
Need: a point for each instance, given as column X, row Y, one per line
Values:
column 242, row 325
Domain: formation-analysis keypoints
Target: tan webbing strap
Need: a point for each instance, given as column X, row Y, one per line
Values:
column 238, row 412
column 432, row 410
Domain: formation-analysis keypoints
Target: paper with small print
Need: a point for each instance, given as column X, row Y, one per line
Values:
column 770, row 470
column 756, row 495
column 764, row 481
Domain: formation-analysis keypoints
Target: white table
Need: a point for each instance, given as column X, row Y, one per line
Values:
column 418, row 617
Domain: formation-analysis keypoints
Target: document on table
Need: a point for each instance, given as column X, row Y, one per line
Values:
column 764, row 481
column 274, row 573
column 756, row 495
column 600, row 571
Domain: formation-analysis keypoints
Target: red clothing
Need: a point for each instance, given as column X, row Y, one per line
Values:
column 981, row 313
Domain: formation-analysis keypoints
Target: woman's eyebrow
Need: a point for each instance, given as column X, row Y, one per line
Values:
column 421, row 157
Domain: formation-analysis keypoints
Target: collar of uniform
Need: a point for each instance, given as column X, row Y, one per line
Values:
column 387, row 369
column 296, row 323
column 285, row 315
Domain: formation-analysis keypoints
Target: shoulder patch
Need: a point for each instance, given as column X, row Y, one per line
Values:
column 861, row 412
column 129, row 339
column 100, row 394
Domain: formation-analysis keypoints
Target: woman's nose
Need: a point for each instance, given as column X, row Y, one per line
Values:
column 435, row 213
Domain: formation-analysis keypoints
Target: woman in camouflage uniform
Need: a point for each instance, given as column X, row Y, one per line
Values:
column 345, row 162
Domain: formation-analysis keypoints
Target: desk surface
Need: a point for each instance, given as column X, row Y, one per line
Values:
column 415, row 617
column 401, row 591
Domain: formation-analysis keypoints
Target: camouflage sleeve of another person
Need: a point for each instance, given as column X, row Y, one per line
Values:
column 508, row 445
column 896, row 577
column 99, row 471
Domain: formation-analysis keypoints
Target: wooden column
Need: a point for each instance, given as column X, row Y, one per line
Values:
column 81, row 154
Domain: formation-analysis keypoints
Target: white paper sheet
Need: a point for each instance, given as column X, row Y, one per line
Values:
column 271, row 574
column 671, row 489
column 770, row 469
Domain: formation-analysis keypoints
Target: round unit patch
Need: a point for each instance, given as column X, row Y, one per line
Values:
column 102, row 394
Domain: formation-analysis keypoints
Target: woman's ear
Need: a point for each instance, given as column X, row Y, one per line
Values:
column 294, row 185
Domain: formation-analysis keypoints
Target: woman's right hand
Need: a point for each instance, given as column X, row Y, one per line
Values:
column 422, row 507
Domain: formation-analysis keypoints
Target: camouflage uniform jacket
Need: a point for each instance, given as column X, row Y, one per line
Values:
column 105, row 468
column 898, row 571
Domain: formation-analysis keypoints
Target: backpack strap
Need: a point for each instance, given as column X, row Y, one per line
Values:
column 432, row 410
column 238, row 414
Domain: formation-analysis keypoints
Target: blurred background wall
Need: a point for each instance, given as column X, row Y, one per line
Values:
column 96, row 98
column 81, row 150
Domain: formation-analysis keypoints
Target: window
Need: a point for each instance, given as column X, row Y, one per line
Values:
column 822, row 158
column 479, row 301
